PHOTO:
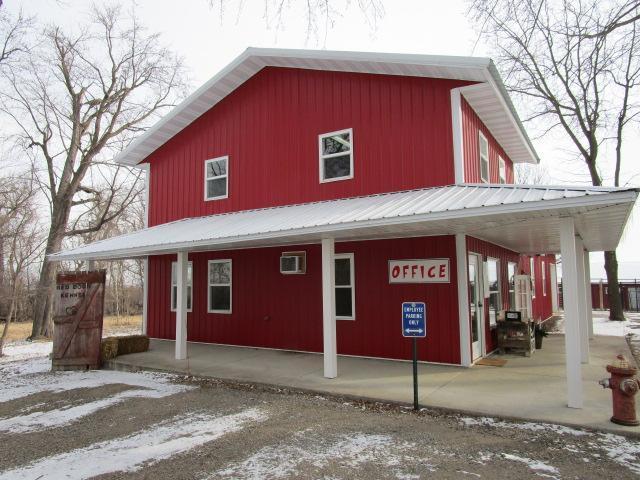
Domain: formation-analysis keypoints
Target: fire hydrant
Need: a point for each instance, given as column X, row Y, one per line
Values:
column 624, row 386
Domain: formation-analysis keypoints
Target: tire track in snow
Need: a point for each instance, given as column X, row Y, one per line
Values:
column 131, row 453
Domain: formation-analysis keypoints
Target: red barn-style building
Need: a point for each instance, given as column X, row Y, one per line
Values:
column 299, row 197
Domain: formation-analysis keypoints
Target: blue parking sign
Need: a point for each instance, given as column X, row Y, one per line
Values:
column 414, row 319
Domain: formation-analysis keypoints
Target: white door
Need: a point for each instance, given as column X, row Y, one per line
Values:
column 476, row 305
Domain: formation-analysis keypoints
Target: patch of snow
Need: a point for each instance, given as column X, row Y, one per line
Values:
column 613, row 328
column 530, row 426
column 25, row 350
column 131, row 453
column 534, row 465
column 317, row 452
column 464, row 472
column 621, row 450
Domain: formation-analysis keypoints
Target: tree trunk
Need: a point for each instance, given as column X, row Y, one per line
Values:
column 43, row 302
column 5, row 332
column 615, row 300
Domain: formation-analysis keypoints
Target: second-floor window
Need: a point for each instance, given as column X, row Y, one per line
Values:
column 216, row 178
column 336, row 155
column 483, row 146
column 502, row 169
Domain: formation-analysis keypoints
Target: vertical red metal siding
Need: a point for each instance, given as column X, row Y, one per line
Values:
column 471, row 125
column 541, row 305
column 269, row 127
column 285, row 311
column 504, row 256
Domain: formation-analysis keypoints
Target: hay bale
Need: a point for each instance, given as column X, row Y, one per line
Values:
column 132, row 344
column 108, row 348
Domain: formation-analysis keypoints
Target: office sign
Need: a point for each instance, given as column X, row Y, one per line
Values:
column 429, row 270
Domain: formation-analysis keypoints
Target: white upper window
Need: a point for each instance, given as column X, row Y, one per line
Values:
column 344, row 286
column 174, row 285
column 219, row 294
column 502, row 170
column 336, row 155
column 483, row 146
column 216, row 178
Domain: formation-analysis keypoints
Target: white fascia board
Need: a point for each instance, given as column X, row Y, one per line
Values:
column 610, row 199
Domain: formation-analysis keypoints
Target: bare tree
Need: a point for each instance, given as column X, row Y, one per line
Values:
column 78, row 98
column 13, row 37
column 527, row 174
column 576, row 65
column 22, row 240
column 320, row 16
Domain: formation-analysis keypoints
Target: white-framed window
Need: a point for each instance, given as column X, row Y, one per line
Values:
column 216, row 178
column 344, row 281
column 174, row 285
column 511, row 274
column 532, row 268
column 544, row 279
column 495, row 294
column 336, row 155
column 502, row 169
column 219, row 286
column 483, row 147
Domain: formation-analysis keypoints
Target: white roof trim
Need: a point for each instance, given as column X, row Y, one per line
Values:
column 500, row 211
column 512, row 137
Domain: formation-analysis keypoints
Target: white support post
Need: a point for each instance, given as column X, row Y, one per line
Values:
column 570, row 287
column 456, row 124
column 463, row 300
column 589, row 303
column 145, row 293
column 181, row 307
column 328, row 309
column 582, row 303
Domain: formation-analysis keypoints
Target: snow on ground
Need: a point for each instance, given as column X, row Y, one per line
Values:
column 308, row 450
column 23, row 372
column 535, row 465
column 146, row 447
column 531, row 426
column 603, row 326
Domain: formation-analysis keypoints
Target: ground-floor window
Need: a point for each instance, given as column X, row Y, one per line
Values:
column 219, row 294
column 174, row 285
column 544, row 279
column 511, row 274
column 495, row 298
column 344, row 286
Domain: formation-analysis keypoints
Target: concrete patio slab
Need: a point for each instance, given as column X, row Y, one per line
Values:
column 530, row 388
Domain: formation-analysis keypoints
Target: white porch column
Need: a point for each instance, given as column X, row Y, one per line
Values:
column 181, row 306
column 587, row 281
column 570, row 286
column 145, row 293
column 463, row 300
column 328, row 309
column 582, row 302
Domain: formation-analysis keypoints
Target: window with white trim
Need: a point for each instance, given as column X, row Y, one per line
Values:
column 502, row 170
column 216, row 178
column 344, row 281
column 336, row 155
column 174, row 285
column 511, row 274
column 495, row 294
column 483, row 147
column 544, row 279
column 532, row 268
column 219, row 286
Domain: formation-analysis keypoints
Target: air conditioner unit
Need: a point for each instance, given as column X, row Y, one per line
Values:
column 293, row 263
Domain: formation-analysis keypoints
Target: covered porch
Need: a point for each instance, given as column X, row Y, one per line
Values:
column 572, row 221
column 524, row 388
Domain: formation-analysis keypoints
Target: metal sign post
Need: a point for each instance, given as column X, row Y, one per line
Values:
column 414, row 325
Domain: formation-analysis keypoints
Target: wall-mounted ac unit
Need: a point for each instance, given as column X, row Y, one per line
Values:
column 293, row 263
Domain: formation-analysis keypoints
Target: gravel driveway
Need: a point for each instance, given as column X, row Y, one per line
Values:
column 138, row 425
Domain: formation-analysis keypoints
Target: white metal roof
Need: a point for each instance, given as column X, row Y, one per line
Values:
column 523, row 218
column 490, row 100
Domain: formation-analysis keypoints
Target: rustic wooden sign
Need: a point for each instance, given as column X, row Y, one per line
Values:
column 78, row 312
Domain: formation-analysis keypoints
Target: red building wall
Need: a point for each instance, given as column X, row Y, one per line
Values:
column 285, row 311
column 269, row 127
column 541, row 304
column 471, row 125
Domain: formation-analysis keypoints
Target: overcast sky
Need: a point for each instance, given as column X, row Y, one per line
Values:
column 208, row 41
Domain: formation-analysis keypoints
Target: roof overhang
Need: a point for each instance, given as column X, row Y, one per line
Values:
column 524, row 219
column 490, row 99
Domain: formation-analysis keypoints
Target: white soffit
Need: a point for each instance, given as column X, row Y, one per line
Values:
column 522, row 218
column 492, row 103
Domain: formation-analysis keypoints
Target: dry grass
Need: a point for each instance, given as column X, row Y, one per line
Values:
column 112, row 326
